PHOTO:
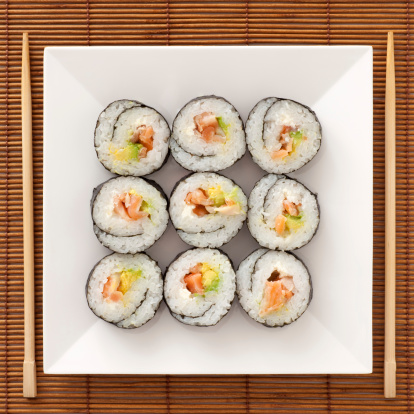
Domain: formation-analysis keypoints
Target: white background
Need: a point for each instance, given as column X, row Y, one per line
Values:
column 334, row 334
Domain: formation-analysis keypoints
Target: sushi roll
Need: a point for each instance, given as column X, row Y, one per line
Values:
column 129, row 214
column 207, row 135
column 283, row 213
column 274, row 288
column 125, row 289
column 131, row 138
column 282, row 135
column 199, row 287
column 207, row 209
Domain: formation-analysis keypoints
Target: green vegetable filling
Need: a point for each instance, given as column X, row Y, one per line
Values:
column 297, row 138
column 225, row 127
column 218, row 196
column 234, row 194
column 148, row 207
column 128, row 277
column 130, row 152
column 145, row 206
column 213, row 287
column 294, row 222
column 134, row 149
column 210, row 278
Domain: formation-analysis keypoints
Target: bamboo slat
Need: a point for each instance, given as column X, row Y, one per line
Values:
column 197, row 22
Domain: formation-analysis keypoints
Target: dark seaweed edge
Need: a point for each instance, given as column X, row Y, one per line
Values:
column 195, row 317
column 205, row 156
column 255, row 185
column 115, row 323
column 215, row 169
column 296, row 102
column 200, row 232
column 310, row 292
column 254, row 265
column 137, row 308
column 248, row 119
column 257, row 104
column 96, row 191
column 98, row 122
column 191, row 317
column 108, row 246
column 279, row 177
column 206, row 97
column 315, row 195
column 149, row 181
column 185, row 167
column 180, row 181
column 139, row 104
column 199, row 98
column 179, row 232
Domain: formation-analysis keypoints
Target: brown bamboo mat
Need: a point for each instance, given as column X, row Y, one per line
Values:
column 185, row 22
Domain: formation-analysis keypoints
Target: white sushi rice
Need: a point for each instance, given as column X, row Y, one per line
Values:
column 127, row 244
column 266, row 203
column 199, row 310
column 212, row 239
column 152, row 300
column 139, row 303
column 246, row 267
column 192, row 152
column 119, row 234
column 265, row 123
column 211, row 230
column 112, row 133
column 252, row 275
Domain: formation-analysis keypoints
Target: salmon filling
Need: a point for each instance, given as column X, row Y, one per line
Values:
column 141, row 141
column 290, row 219
column 117, row 285
column 145, row 136
column 277, row 292
column 209, row 127
column 212, row 201
column 201, row 279
column 130, row 206
column 289, row 138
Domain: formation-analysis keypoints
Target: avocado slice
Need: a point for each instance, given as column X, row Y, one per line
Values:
column 210, row 278
column 128, row 277
column 294, row 222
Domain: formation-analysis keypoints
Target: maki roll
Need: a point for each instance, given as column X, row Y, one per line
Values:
column 125, row 289
column 199, row 287
column 131, row 138
column 129, row 214
column 207, row 209
column 282, row 135
column 274, row 288
column 207, row 135
column 283, row 213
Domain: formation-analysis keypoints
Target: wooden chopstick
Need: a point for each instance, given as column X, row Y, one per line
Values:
column 29, row 365
column 389, row 357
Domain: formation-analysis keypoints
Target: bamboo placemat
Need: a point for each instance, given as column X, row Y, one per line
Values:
column 185, row 22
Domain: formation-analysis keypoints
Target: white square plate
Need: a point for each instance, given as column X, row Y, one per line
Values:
column 334, row 334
